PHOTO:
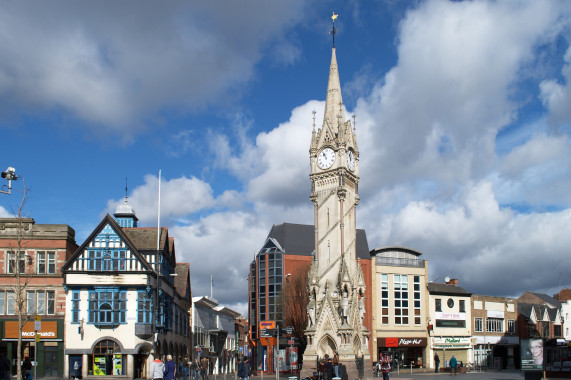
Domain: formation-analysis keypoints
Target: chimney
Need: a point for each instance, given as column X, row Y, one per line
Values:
column 452, row 281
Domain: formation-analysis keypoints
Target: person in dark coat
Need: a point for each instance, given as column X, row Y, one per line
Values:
column 170, row 369
column 436, row 362
column 243, row 369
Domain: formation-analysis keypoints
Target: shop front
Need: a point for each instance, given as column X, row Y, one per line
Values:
column 407, row 350
column 445, row 347
column 48, row 351
column 499, row 352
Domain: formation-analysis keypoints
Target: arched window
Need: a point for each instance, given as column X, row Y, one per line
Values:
column 107, row 360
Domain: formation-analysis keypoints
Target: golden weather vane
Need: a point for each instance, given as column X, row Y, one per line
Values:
column 333, row 18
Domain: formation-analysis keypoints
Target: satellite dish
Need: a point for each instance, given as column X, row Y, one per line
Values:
column 447, row 279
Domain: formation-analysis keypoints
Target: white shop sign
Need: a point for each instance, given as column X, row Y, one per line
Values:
column 451, row 316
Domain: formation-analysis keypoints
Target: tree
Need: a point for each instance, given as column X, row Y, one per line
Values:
column 17, row 266
column 294, row 298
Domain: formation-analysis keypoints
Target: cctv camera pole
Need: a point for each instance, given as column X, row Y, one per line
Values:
column 9, row 175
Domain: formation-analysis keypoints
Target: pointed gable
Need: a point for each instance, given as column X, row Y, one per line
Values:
column 107, row 249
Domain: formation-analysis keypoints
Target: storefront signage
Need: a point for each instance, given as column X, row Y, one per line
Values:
column 452, row 342
column 402, row 342
column 48, row 331
column 495, row 314
column 495, row 339
column 451, row 316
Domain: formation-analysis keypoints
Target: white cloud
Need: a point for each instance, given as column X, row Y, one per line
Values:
column 117, row 67
column 179, row 198
column 556, row 96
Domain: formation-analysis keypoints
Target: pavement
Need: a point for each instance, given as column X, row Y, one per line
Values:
column 425, row 375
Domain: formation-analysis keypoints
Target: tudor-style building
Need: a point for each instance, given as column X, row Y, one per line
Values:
column 114, row 283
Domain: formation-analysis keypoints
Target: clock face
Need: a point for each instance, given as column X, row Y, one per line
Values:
column 450, row 303
column 326, row 158
column 351, row 160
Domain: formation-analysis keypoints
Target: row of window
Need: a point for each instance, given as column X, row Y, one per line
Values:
column 38, row 302
column 108, row 307
column 403, row 313
column 493, row 325
column 45, row 262
column 450, row 303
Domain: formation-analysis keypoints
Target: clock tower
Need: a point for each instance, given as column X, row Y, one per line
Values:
column 336, row 283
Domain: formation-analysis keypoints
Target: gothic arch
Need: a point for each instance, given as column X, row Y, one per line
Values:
column 326, row 345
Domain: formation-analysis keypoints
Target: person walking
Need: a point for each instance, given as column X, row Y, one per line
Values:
column 386, row 366
column 243, row 369
column 195, row 368
column 336, row 363
column 204, row 369
column 453, row 364
column 436, row 362
column 170, row 369
column 157, row 369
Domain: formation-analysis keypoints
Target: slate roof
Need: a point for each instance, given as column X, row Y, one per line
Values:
column 550, row 300
column 444, row 289
column 145, row 239
column 299, row 239
column 180, row 281
column 524, row 309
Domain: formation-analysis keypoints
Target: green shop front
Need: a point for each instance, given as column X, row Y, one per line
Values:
column 45, row 346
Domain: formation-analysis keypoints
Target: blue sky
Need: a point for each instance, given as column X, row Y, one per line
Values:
column 462, row 111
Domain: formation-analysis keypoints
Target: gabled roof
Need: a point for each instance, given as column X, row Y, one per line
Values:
column 548, row 299
column 445, row 289
column 108, row 220
column 146, row 238
column 182, row 280
column 299, row 239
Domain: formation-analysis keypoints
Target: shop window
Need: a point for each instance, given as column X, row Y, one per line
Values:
column 107, row 360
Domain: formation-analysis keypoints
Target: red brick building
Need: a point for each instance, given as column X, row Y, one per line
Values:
column 31, row 257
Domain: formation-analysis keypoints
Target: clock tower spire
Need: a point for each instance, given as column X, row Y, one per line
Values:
column 336, row 283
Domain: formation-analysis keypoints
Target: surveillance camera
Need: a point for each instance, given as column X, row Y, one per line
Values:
column 10, row 174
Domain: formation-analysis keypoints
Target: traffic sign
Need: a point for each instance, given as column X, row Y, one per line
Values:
column 38, row 323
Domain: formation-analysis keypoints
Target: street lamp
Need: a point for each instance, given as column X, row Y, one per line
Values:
column 9, row 175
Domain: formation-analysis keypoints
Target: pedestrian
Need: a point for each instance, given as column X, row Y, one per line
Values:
column 436, row 362
column 157, row 369
column 386, row 366
column 27, row 368
column 328, row 367
column 195, row 368
column 185, row 368
column 170, row 369
column 453, row 363
column 336, row 363
column 76, row 370
column 204, row 369
column 243, row 369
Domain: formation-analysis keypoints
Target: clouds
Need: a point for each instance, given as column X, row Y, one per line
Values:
column 116, row 68
column 464, row 140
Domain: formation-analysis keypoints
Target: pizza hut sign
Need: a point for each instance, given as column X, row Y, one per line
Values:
column 410, row 342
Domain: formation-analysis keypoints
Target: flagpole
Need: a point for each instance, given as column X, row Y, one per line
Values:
column 159, row 215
